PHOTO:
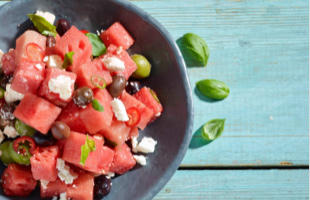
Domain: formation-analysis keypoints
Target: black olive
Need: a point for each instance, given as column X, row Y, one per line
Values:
column 83, row 96
column 50, row 41
column 44, row 139
column 117, row 86
column 60, row 130
column 5, row 80
column 102, row 186
column 62, row 26
column 6, row 111
column 133, row 87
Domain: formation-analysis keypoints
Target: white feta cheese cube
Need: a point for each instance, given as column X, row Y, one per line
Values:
column 48, row 16
column 147, row 145
column 63, row 196
column 39, row 66
column 55, row 198
column 44, row 183
column 134, row 143
column 10, row 131
column 114, row 64
column 1, row 137
column 110, row 174
column 53, row 61
column 1, row 54
column 11, row 95
column 64, row 172
column 140, row 159
column 62, row 86
column 119, row 50
column 119, row 110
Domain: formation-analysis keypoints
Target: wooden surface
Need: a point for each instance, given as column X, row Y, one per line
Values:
column 260, row 48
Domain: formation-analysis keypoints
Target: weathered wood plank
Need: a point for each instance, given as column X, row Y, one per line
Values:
column 237, row 184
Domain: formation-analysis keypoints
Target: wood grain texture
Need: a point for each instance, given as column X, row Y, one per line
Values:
column 237, row 184
column 261, row 50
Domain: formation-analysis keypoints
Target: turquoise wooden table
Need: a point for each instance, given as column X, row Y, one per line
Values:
column 260, row 48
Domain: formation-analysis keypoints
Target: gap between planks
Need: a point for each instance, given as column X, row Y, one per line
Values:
column 283, row 166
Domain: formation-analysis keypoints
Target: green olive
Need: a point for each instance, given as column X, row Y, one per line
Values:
column 144, row 67
column 5, row 156
column 23, row 129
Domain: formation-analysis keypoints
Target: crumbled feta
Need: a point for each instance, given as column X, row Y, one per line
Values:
column 134, row 143
column 10, row 131
column 53, row 61
column 158, row 114
column 39, row 66
column 146, row 145
column 119, row 50
column 1, row 137
column 110, row 174
column 11, row 95
column 55, row 198
column 140, row 159
column 63, row 196
column 48, row 16
column 113, row 64
column 44, row 183
column 62, row 86
column 119, row 110
column 98, row 137
column 64, row 172
column 1, row 54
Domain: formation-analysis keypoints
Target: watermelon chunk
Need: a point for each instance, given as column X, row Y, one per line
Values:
column 117, row 132
column 53, row 189
column 106, row 159
column 145, row 113
column 86, row 71
column 130, row 65
column 82, row 187
column 28, row 77
column 8, row 62
column 74, row 40
column 123, row 160
column 43, row 163
column 117, row 35
column 72, row 151
column 58, row 75
column 61, row 145
column 134, row 133
column 71, row 116
column 22, row 42
column 37, row 112
column 146, row 97
column 17, row 180
column 93, row 120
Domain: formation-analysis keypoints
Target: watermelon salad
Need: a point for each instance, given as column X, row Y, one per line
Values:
column 71, row 108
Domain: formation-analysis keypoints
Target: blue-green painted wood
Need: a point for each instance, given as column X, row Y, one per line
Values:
column 237, row 184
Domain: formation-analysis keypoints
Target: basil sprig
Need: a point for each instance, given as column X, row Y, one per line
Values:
column 43, row 26
column 213, row 129
column 97, row 106
column 98, row 48
column 213, row 89
column 68, row 60
column 197, row 47
column 86, row 149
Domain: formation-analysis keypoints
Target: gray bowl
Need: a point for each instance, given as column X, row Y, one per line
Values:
column 168, row 78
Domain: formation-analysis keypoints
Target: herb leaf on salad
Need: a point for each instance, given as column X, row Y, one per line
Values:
column 68, row 60
column 97, row 106
column 213, row 129
column 43, row 26
column 97, row 44
column 86, row 149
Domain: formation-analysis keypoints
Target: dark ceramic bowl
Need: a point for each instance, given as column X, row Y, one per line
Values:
column 168, row 78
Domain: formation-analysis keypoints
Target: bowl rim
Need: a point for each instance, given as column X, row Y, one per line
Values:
column 185, row 79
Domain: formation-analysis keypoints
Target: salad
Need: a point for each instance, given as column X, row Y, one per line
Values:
column 71, row 108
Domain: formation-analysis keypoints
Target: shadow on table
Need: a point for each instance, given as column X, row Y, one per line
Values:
column 188, row 58
column 197, row 140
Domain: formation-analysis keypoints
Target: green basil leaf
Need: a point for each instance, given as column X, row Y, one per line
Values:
column 86, row 149
column 197, row 47
column 43, row 26
column 97, row 106
column 213, row 89
column 97, row 44
column 213, row 129
column 68, row 60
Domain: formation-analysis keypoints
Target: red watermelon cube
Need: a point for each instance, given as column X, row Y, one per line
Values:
column 117, row 132
column 150, row 100
column 25, row 39
column 94, row 120
column 53, row 189
column 134, row 133
column 145, row 113
column 43, row 163
column 72, row 151
column 106, row 159
column 61, row 145
column 117, row 35
column 130, row 65
column 37, row 112
column 8, row 62
column 63, row 82
column 71, row 116
column 123, row 160
column 82, row 188
column 17, row 180
column 28, row 77
column 74, row 40
column 86, row 71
